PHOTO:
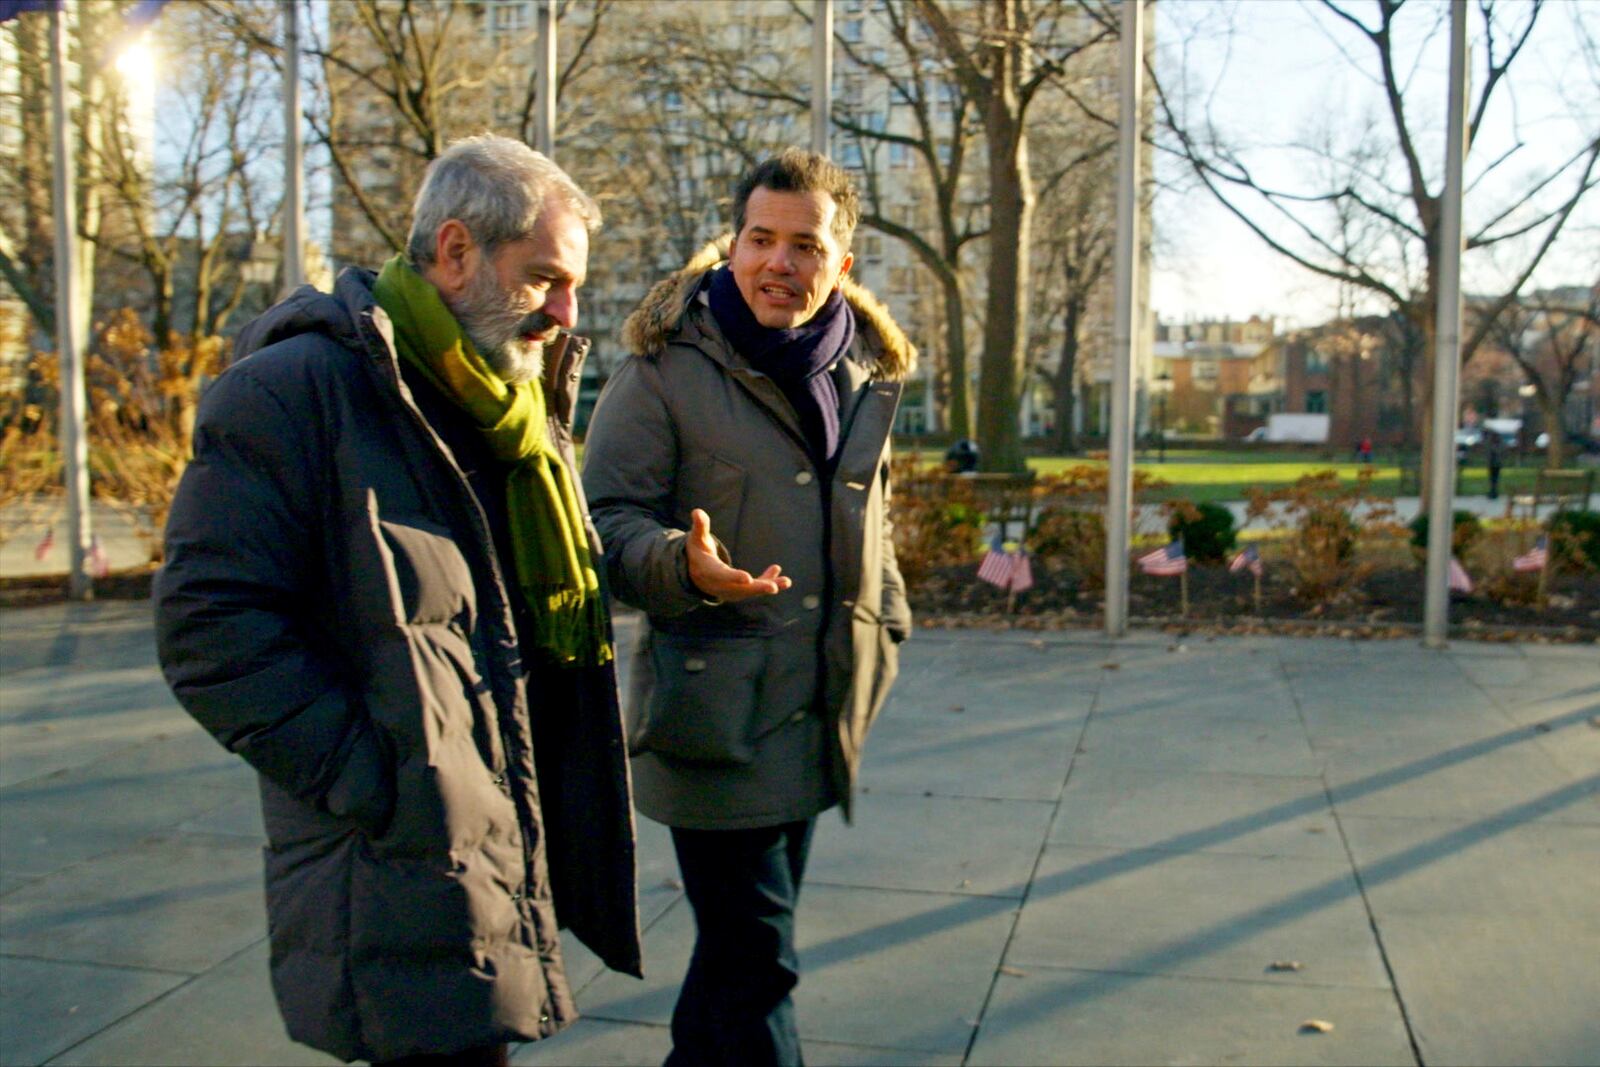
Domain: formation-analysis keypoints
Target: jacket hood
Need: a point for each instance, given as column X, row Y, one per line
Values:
column 309, row 310
column 658, row 316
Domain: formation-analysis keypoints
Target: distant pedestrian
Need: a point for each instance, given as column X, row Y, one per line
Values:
column 381, row 591
column 1364, row 450
column 961, row 457
column 1496, row 459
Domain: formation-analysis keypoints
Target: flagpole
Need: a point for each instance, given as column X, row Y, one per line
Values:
column 1257, row 576
column 821, row 74
column 1447, row 348
column 1183, row 592
column 545, row 126
column 294, row 208
column 71, row 325
column 1119, row 489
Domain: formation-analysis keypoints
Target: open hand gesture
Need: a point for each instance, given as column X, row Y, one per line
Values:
column 716, row 579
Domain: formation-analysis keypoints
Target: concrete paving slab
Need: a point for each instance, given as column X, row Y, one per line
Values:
column 934, row 844
column 1484, row 870
column 108, row 709
column 897, row 970
column 223, row 1018
column 1471, row 780
column 181, row 902
column 72, row 815
column 1245, row 814
column 241, row 817
column 970, row 757
column 47, row 1006
column 1212, row 743
column 1085, row 1017
column 1513, row 990
column 1198, row 914
column 78, row 637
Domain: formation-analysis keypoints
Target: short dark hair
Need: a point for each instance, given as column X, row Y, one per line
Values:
column 794, row 170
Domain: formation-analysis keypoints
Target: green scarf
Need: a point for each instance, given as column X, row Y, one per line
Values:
column 548, row 539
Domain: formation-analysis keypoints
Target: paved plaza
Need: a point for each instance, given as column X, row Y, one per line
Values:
column 1068, row 850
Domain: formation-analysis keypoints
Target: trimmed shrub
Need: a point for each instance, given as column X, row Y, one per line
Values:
column 1207, row 530
column 1465, row 532
column 1575, row 537
column 1073, row 540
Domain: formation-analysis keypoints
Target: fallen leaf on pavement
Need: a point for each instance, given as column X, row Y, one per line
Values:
column 957, row 709
column 1111, row 666
column 1315, row 1026
column 1285, row 965
column 1013, row 972
column 672, row 884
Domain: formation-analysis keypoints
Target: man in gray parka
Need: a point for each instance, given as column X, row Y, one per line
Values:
column 379, row 591
column 750, row 429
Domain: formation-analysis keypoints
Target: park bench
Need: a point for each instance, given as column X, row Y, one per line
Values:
column 1566, row 489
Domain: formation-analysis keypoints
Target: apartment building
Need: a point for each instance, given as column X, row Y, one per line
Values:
column 660, row 116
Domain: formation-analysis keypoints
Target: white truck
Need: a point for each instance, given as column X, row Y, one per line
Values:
column 1296, row 427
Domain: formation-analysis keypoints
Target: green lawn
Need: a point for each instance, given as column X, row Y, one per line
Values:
column 1200, row 474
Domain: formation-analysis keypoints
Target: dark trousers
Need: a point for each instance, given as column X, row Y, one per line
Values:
column 734, row 1008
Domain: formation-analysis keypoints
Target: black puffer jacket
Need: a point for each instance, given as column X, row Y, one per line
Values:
column 332, row 609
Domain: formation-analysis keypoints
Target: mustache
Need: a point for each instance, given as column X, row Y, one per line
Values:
column 537, row 324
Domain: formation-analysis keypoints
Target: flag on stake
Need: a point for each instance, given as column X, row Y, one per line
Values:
column 1021, row 573
column 46, row 543
column 1535, row 558
column 98, row 565
column 1165, row 562
column 997, row 564
column 1460, row 581
column 1248, row 560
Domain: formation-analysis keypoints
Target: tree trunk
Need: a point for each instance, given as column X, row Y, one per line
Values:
column 1006, row 321
column 958, row 415
column 1063, row 383
column 1555, row 428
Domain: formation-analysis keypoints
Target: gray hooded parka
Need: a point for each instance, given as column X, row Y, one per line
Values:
column 332, row 609
column 752, row 713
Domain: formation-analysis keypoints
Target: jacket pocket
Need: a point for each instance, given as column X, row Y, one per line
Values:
column 703, row 705
column 429, row 577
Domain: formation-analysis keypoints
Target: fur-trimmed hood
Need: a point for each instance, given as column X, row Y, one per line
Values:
column 659, row 314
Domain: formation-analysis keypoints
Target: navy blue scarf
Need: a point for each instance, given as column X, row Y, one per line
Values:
column 797, row 360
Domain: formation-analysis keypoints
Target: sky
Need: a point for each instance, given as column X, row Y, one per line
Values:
column 1276, row 73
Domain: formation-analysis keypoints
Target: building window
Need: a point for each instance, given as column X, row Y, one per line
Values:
column 1316, row 402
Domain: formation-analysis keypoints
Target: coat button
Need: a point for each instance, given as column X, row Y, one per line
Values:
column 803, row 478
column 811, row 602
column 694, row 664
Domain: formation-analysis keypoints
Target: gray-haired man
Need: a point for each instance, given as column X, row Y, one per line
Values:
column 380, row 590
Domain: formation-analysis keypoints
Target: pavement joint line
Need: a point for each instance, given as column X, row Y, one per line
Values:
column 1033, row 872
column 1361, row 885
column 192, row 977
column 101, row 965
column 1016, row 896
column 926, row 795
column 679, row 897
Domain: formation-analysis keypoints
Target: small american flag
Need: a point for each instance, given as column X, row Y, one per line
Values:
column 1535, row 558
column 1248, row 560
column 1165, row 562
column 1460, row 580
column 98, row 563
column 1007, row 568
column 46, row 543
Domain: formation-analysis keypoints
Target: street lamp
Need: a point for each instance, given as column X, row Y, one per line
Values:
column 1160, row 386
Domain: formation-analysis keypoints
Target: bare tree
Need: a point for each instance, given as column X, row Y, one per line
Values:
column 1366, row 209
column 1554, row 339
column 1002, row 54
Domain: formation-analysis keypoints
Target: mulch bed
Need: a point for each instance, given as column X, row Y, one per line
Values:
column 19, row 592
column 1388, row 603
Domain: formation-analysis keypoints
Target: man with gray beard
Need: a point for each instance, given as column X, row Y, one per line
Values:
column 380, row 589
